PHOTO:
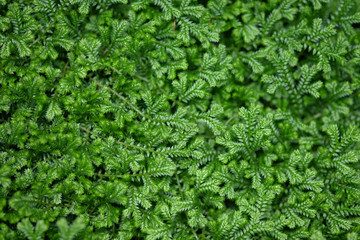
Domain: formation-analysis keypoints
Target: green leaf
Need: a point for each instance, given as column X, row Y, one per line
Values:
column 53, row 110
column 32, row 233
column 70, row 232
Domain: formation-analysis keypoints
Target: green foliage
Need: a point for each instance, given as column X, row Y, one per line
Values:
column 179, row 119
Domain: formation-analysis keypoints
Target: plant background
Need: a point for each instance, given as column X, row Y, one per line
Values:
column 169, row 119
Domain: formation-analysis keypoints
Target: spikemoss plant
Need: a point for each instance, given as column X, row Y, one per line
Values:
column 179, row 119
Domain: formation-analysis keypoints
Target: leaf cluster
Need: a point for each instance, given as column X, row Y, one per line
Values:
column 179, row 119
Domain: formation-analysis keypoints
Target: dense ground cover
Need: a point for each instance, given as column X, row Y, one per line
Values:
column 179, row 119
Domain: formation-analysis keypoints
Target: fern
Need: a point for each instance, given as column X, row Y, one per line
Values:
column 179, row 119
